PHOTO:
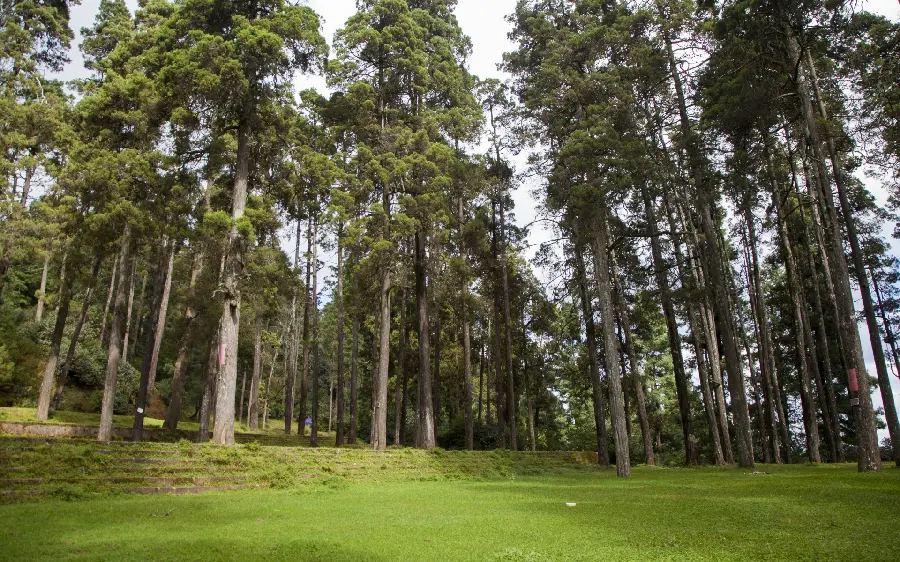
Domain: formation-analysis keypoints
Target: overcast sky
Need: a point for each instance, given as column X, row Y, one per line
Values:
column 484, row 21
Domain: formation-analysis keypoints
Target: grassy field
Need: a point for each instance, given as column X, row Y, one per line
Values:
column 794, row 513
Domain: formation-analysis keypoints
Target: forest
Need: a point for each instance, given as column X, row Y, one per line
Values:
column 192, row 235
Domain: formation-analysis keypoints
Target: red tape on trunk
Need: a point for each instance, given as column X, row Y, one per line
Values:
column 854, row 382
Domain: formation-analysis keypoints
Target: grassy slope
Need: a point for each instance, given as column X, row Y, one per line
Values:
column 796, row 513
column 275, row 427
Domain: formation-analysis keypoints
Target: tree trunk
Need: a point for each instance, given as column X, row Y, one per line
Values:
column 400, row 377
column 637, row 380
column 160, row 327
column 764, row 341
column 265, row 419
column 354, row 357
column 594, row 360
column 126, row 337
column 691, row 453
column 604, row 290
column 39, row 310
column 253, row 406
column 208, row 400
column 226, row 383
column 740, row 412
column 502, row 427
column 159, row 279
column 507, row 328
column 291, row 353
column 436, row 373
column 313, row 381
column 307, row 310
column 425, row 419
column 104, row 433
column 173, row 412
column 481, row 384
column 240, row 416
column 109, row 296
column 339, row 298
column 869, row 455
column 76, row 333
column 62, row 313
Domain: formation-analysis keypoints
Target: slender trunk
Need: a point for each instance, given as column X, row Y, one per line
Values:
column 436, row 372
column 481, row 384
column 507, row 328
column 379, row 407
column 208, row 399
column 173, row 412
column 765, row 343
column 740, row 412
column 104, row 433
column 354, row 356
column 869, row 456
column 73, row 343
column 400, row 377
column 502, row 427
column 594, row 360
column 109, row 296
column 240, row 416
column 637, row 381
column 160, row 327
column 889, row 332
column 126, row 337
column 265, row 416
column 708, row 377
column 425, row 419
column 339, row 298
column 149, row 336
column 292, row 349
column 313, row 381
column 39, row 310
column 604, row 290
column 62, row 313
column 691, row 452
column 307, row 310
column 253, row 406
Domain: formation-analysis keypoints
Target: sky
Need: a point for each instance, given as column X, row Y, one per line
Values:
column 484, row 22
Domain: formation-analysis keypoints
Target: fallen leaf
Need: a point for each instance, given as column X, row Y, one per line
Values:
column 260, row 520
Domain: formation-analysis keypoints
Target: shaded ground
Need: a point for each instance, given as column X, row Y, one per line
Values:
column 795, row 513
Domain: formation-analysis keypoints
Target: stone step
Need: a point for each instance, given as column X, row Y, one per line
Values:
column 166, row 480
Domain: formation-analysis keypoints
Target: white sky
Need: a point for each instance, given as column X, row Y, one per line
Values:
column 483, row 21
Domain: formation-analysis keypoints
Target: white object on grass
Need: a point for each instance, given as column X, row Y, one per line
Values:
column 570, row 504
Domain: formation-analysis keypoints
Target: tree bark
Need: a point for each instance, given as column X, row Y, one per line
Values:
column 76, row 333
column 159, row 279
column 354, row 358
column 173, row 412
column 208, row 400
column 400, row 377
column 223, row 429
column 691, row 453
column 313, row 381
column 126, row 337
column 339, row 298
column 604, row 290
column 425, row 419
column 104, row 432
column 253, row 406
column 109, row 296
column 62, row 313
column 869, row 455
column 594, row 360
column 637, row 381
column 307, row 310
column 160, row 328
column 39, row 310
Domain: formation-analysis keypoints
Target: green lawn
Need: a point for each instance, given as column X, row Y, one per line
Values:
column 795, row 513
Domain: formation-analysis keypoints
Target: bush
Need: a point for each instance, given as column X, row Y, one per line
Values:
column 484, row 436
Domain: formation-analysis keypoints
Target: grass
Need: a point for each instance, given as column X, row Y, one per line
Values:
column 275, row 427
column 794, row 513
